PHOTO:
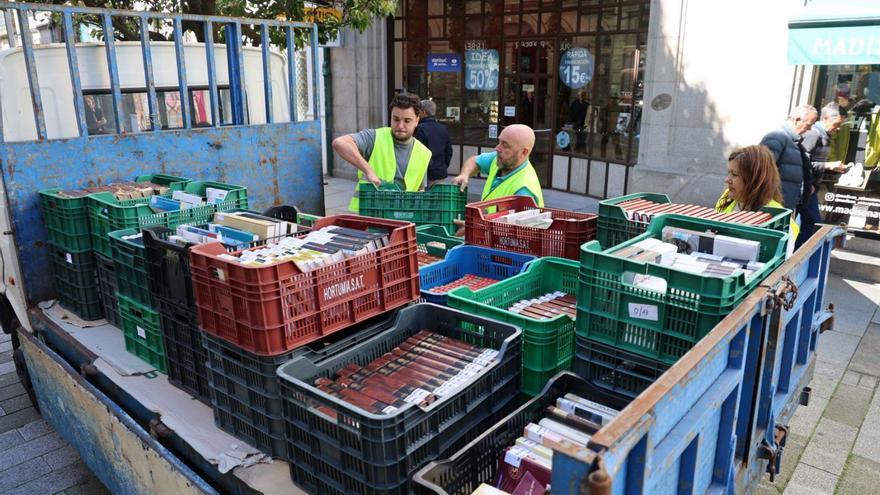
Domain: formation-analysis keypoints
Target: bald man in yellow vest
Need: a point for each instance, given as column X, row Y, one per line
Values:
column 388, row 154
column 508, row 169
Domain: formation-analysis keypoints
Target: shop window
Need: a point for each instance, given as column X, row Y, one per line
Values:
column 435, row 7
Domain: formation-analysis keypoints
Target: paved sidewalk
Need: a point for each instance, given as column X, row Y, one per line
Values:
column 34, row 460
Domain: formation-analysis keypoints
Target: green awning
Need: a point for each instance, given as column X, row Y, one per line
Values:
column 835, row 32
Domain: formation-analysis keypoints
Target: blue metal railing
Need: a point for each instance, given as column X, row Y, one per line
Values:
column 233, row 41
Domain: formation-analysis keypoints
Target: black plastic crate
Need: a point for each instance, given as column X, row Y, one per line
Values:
column 107, row 286
column 614, row 369
column 366, row 453
column 477, row 462
column 244, row 388
column 76, row 282
column 184, row 351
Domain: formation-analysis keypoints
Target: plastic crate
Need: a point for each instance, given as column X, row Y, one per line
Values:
column 244, row 388
column 129, row 260
column 675, row 320
column 615, row 226
column 353, row 451
column 548, row 345
column 76, row 283
column 563, row 238
column 614, row 369
column 143, row 332
column 436, row 235
column 439, row 205
column 306, row 219
column 168, row 271
column 477, row 462
column 469, row 260
column 107, row 286
column 185, row 354
column 107, row 214
column 67, row 218
column 273, row 309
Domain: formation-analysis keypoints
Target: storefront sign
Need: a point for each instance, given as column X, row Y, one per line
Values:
column 481, row 70
column 834, row 45
column 576, row 67
column 860, row 210
column 563, row 139
column 444, row 62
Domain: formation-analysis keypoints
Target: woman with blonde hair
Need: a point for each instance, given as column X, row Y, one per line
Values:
column 752, row 183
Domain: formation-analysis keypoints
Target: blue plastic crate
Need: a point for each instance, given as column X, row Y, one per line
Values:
column 469, row 260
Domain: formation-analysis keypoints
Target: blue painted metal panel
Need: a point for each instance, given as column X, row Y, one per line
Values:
column 278, row 163
column 149, row 80
column 73, row 66
column 113, row 67
column 181, row 74
column 267, row 74
column 27, row 44
column 701, row 426
column 213, row 97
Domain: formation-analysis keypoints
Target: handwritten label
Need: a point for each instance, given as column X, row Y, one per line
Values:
column 643, row 311
column 141, row 333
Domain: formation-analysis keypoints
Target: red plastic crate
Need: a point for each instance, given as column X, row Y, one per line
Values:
column 563, row 239
column 269, row 310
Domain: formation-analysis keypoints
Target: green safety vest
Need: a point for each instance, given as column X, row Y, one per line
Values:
column 525, row 177
column 384, row 163
column 793, row 227
column 872, row 150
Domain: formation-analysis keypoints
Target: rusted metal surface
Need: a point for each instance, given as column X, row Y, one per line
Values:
column 278, row 163
column 116, row 449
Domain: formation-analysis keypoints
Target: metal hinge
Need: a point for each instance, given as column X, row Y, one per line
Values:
column 773, row 453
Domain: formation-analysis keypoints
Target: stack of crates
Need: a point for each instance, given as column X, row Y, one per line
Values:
column 627, row 335
column 548, row 344
column 255, row 318
column 624, row 217
column 139, row 310
column 337, row 447
column 81, row 272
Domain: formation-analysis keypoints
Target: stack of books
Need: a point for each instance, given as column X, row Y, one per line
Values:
column 425, row 367
column 235, row 229
column 181, row 200
column 475, row 282
column 702, row 253
column 644, row 210
column 315, row 250
column 526, row 466
column 548, row 306
column 122, row 190
column 526, row 218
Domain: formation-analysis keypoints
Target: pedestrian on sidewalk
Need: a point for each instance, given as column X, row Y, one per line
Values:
column 795, row 168
column 388, row 154
column 435, row 136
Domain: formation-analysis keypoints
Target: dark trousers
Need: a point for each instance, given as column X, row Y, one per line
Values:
column 810, row 216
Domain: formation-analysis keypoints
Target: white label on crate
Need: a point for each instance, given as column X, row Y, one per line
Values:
column 343, row 288
column 69, row 257
column 512, row 242
column 643, row 311
column 141, row 332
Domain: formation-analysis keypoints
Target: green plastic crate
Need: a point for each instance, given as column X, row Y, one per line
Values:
column 76, row 282
column 142, row 330
column 130, row 264
column 615, row 227
column 548, row 345
column 67, row 219
column 664, row 326
column 306, row 219
column 439, row 205
column 436, row 234
column 107, row 214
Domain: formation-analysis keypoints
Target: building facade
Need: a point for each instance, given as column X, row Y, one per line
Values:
column 624, row 95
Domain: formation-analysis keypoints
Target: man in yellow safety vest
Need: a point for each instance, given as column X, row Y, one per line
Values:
column 508, row 168
column 388, row 154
